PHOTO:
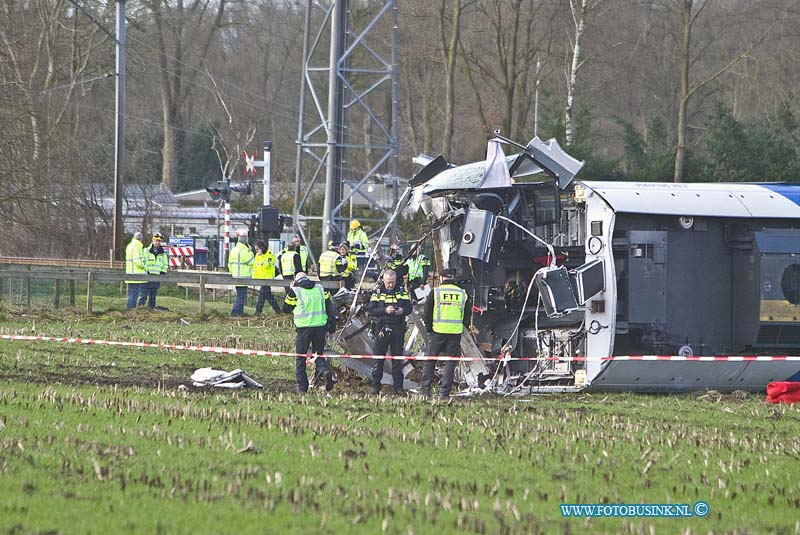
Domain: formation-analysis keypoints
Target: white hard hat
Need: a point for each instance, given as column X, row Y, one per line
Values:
column 299, row 275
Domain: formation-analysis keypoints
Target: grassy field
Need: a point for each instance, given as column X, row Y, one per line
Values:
column 102, row 440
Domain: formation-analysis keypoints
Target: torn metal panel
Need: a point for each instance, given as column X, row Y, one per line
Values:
column 356, row 339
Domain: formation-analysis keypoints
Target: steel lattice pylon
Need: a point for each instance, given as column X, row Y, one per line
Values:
column 351, row 137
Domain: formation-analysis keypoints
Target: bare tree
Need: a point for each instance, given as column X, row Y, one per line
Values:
column 229, row 141
column 183, row 34
column 450, row 56
column 514, row 40
column 688, row 13
column 580, row 10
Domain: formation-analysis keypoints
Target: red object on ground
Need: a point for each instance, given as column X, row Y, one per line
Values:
column 783, row 392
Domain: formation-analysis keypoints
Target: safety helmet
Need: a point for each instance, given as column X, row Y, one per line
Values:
column 354, row 224
column 242, row 233
column 331, row 244
column 299, row 275
column 158, row 236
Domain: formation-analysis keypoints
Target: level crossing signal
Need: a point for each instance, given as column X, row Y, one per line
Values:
column 220, row 192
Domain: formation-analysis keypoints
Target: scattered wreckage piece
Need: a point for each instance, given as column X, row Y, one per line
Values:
column 222, row 379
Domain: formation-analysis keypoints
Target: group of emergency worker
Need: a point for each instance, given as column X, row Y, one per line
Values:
column 445, row 311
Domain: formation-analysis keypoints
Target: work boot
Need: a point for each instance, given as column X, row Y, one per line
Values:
column 376, row 390
column 399, row 392
column 329, row 380
column 425, row 393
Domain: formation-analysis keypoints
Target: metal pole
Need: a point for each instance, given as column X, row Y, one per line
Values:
column 118, row 138
column 536, row 97
column 394, row 118
column 267, row 170
column 334, row 127
column 301, row 121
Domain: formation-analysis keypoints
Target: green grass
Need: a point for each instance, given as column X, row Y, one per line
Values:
column 80, row 453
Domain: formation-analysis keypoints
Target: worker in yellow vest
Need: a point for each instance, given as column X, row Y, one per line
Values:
column 447, row 311
column 289, row 262
column 240, row 265
column 155, row 264
column 264, row 268
column 313, row 318
column 135, row 264
column 331, row 264
column 357, row 239
column 418, row 267
column 297, row 246
column 351, row 266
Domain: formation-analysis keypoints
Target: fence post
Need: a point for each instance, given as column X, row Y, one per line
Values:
column 28, row 291
column 89, row 291
column 57, row 301
column 72, row 293
column 202, row 285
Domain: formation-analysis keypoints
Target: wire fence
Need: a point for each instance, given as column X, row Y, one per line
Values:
column 35, row 288
column 34, row 295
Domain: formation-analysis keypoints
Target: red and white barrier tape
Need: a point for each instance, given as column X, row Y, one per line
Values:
column 263, row 353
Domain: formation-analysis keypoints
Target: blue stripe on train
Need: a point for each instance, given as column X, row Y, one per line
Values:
column 789, row 191
column 795, row 377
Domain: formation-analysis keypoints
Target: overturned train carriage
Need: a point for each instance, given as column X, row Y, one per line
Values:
column 640, row 269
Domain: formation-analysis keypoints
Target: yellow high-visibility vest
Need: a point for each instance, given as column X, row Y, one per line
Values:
column 448, row 309
column 327, row 264
column 135, row 261
column 264, row 267
column 240, row 262
column 416, row 266
column 310, row 308
column 287, row 264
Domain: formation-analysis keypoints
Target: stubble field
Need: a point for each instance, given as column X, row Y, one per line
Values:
column 98, row 439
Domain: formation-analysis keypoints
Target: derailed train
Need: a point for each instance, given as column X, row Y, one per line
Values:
column 560, row 269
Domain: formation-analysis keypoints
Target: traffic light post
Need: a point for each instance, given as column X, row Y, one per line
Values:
column 221, row 192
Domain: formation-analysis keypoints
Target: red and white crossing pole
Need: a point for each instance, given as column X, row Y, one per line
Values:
column 267, row 170
column 227, row 241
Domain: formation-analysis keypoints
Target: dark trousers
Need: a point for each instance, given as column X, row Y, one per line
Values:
column 313, row 337
column 441, row 344
column 265, row 294
column 134, row 290
column 390, row 338
column 241, row 299
column 350, row 280
column 149, row 293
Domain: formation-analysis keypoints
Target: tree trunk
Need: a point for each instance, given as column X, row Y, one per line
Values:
column 450, row 72
column 169, row 149
column 579, row 18
column 680, row 151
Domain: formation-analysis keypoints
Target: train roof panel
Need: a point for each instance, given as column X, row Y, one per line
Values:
column 695, row 199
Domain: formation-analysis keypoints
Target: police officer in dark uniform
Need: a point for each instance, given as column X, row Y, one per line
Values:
column 396, row 262
column 446, row 313
column 388, row 307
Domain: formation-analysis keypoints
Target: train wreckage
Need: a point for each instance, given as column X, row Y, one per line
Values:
column 564, row 274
